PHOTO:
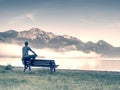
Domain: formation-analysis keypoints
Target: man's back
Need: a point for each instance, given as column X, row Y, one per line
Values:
column 25, row 50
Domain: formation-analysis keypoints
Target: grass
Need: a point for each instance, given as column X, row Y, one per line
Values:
column 41, row 79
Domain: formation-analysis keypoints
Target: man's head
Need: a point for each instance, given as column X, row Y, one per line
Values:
column 26, row 43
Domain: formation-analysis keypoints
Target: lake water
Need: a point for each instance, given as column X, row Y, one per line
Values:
column 98, row 64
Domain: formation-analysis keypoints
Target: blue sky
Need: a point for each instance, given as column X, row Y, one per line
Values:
column 88, row 20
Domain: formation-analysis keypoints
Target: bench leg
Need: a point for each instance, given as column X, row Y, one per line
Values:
column 52, row 69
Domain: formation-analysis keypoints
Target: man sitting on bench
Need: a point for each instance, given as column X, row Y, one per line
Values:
column 26, row 58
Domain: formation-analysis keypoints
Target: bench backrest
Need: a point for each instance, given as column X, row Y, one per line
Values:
column 40, row 62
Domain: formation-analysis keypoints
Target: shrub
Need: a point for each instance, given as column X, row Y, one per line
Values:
column 8, row 67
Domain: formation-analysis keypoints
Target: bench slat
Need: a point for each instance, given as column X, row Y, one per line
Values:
column 43, row 63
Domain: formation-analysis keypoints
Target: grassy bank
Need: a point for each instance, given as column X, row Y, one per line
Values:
column 42, row 79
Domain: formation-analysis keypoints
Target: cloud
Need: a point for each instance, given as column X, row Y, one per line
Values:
column 26, row 18
column 16, row 50
column 70, row 54
column 30, row 16
column 10, row 50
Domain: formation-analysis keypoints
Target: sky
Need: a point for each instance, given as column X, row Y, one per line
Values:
column 88, row 20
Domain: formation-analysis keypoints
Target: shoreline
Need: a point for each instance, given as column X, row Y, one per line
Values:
column 76, row 70
column 71, row 70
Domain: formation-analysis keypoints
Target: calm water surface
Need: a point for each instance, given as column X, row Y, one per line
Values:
column 101, row 64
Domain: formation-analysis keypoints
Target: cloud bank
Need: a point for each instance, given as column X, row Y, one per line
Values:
column 12, row 50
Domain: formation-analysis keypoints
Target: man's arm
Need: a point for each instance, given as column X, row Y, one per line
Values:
column 32, row 51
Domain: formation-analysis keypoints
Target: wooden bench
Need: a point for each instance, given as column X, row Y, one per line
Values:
column 42, row 63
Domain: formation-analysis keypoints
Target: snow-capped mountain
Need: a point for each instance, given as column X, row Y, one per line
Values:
column 35, row 33
column 38, row 38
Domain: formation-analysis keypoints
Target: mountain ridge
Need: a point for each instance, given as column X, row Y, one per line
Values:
column 61, row 43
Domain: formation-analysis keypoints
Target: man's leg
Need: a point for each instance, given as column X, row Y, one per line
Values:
column 29, row 64
column 29, row 68
column 32, row 57
column 25, row 63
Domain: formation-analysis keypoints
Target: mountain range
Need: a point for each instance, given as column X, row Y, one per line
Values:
column 38, row 38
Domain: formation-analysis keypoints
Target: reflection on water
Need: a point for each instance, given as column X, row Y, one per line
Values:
column 90, row 64
column 101, row 64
